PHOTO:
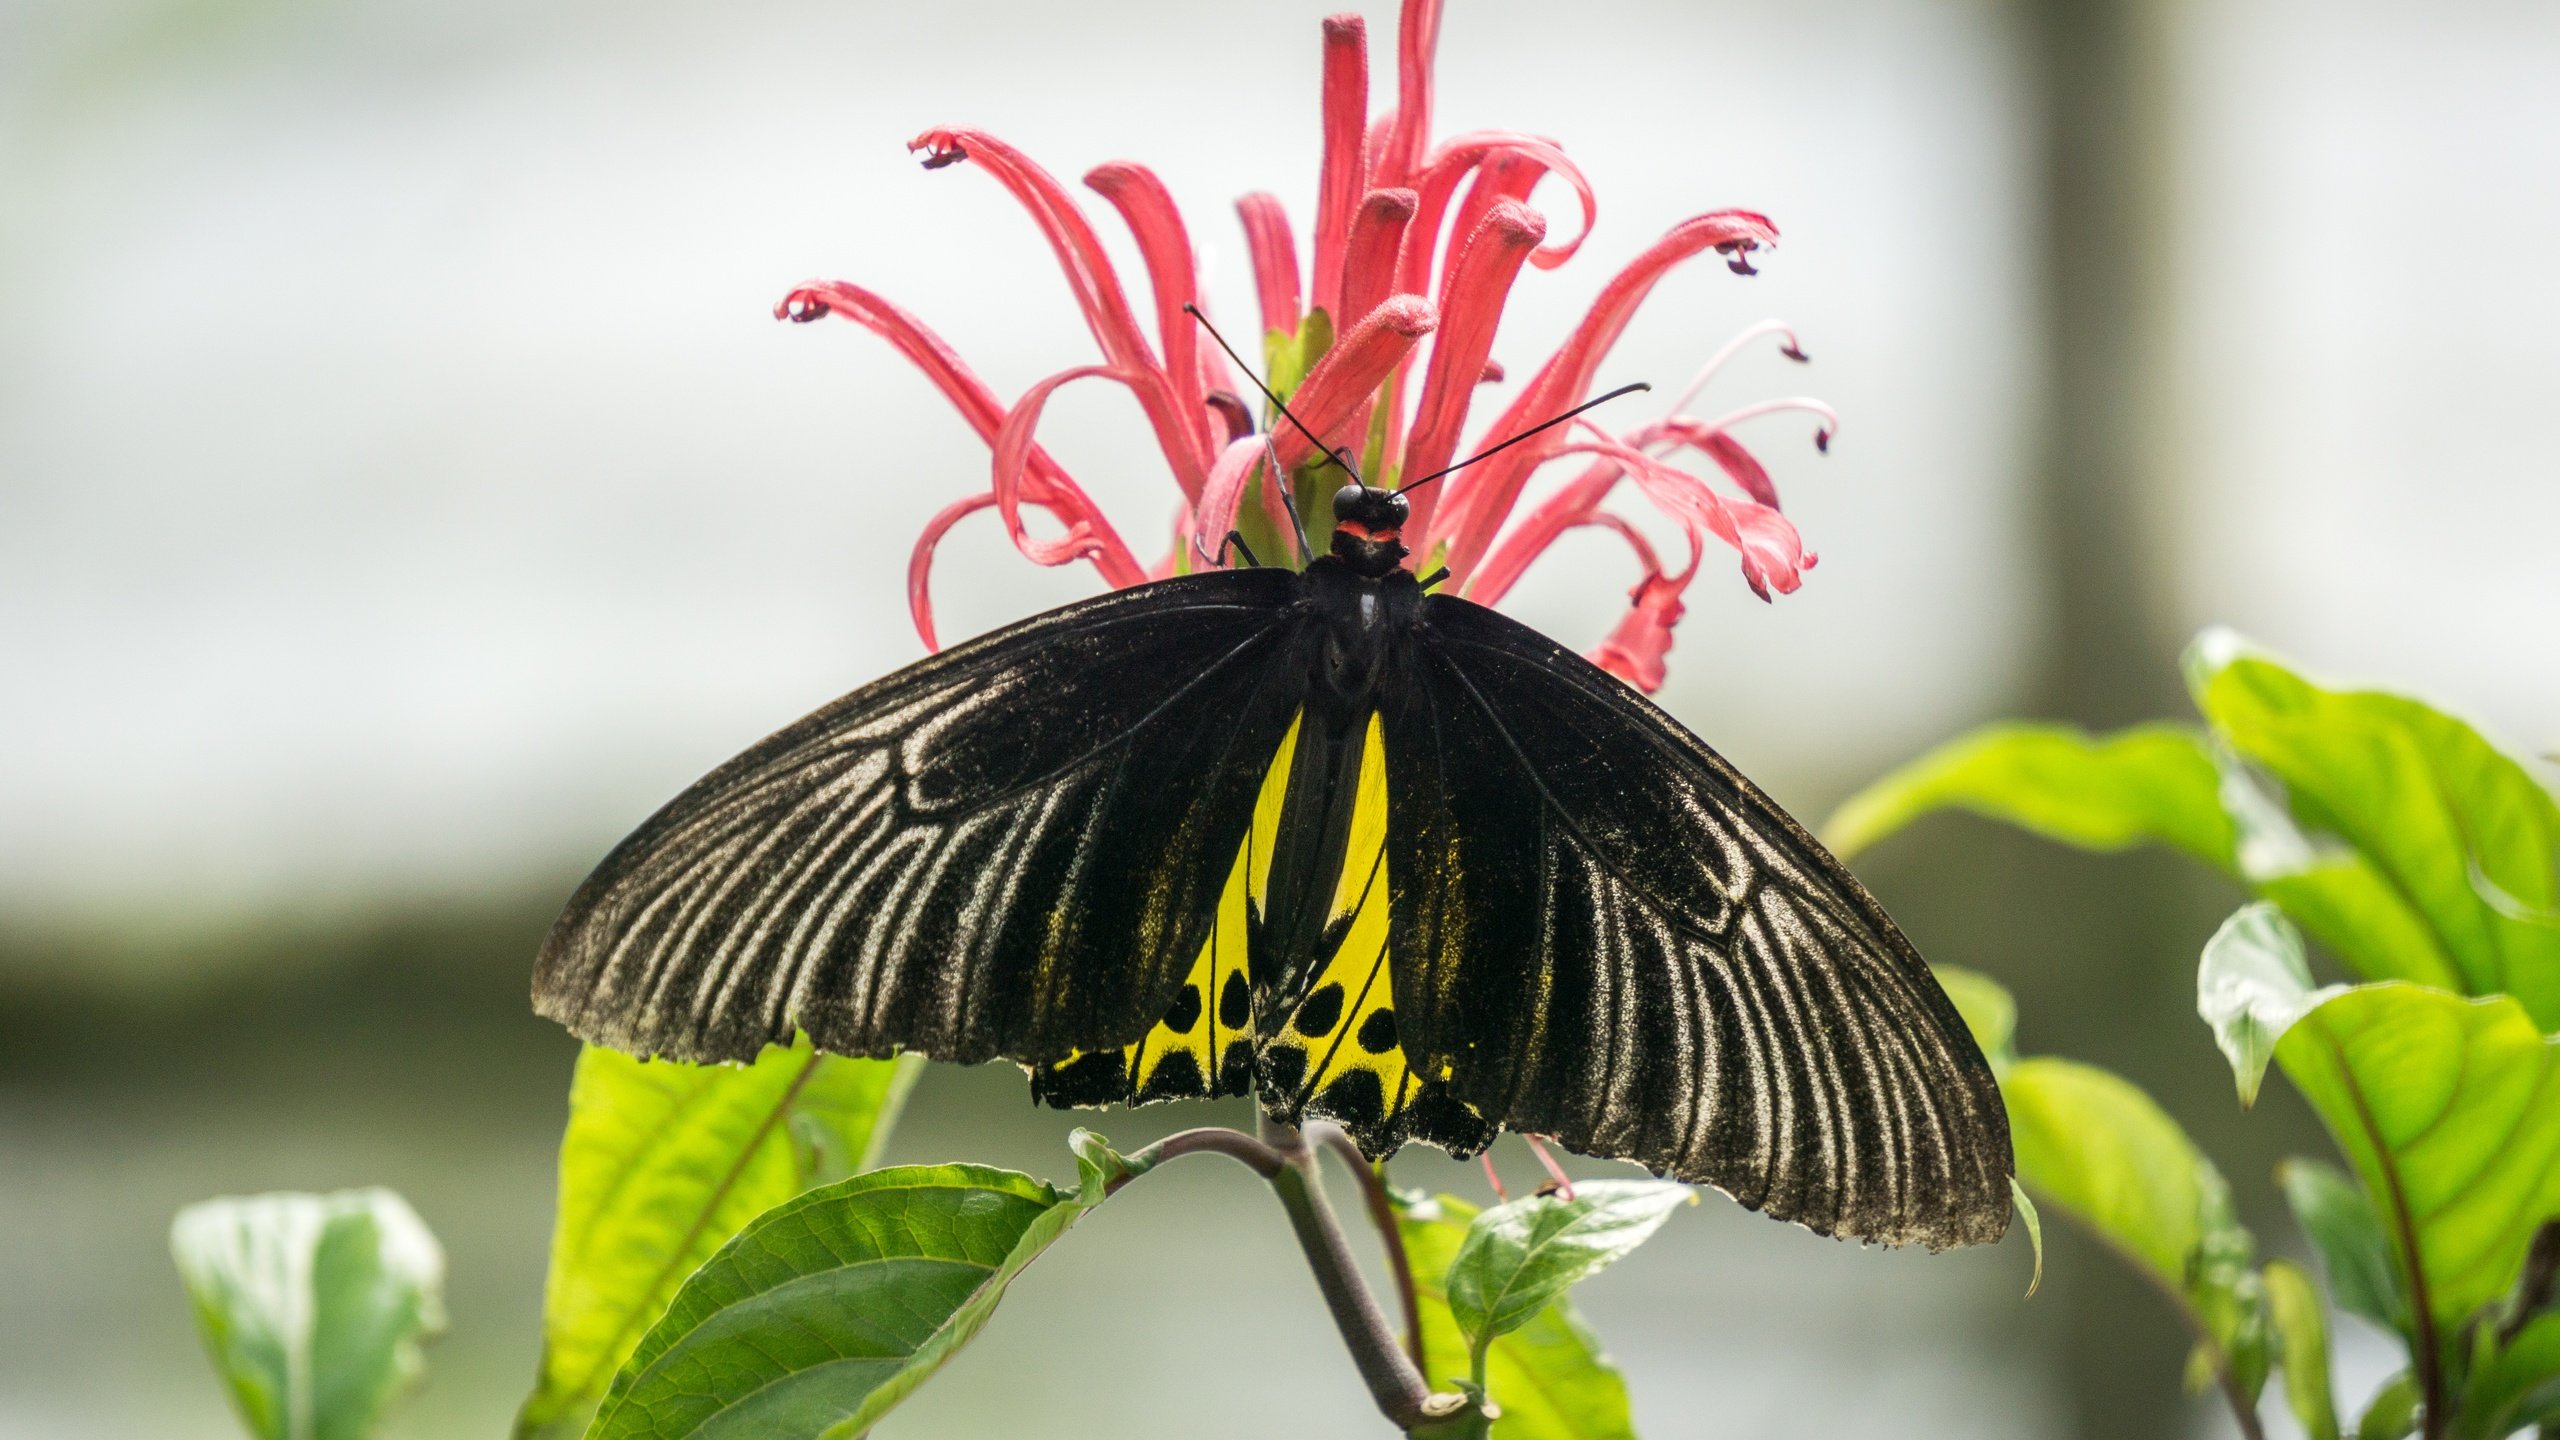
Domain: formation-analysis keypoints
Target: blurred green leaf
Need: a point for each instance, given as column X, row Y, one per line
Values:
column 2392, row 1413
column 2340, row 1220
column 2252, row 984
column 2152, row 783
column 1521, row 1255
column 2093, row 1144
column 660, row 1165
column 1988, row 1011
column 2302, row 1336
column 830, row 1309
column 2515, row 1385
column 1549, row 1376
column 2449, row 1111
column 2459, row 829
column 314, row 1306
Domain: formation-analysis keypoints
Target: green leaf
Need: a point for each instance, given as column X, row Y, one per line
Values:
column 2449, row 1111
column 1519, row 1256
column 2090, row 1142
column 2341, row 1222
column 1549, row 1377
column 661, row 1164
column 830, row 1309
column 313, row 1306
column 2152, row 783
column 2392, row 1413
column 1988, row 1011
column 2252, row 984
column 2516, row 1386
column 2458, row 829
column 2302, row 1333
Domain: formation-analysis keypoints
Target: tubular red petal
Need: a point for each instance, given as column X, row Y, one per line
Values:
column 1275, row 260
column 1469, row 517
column 1369, row 259
column 1511, row 175
column 1417, row 39
column 1717, row 445
column 1346, row 116
column 1172, row 275
column 1635, row 649
column 1539, row 529
column 1773, row 555
column 1342, row 384
column 920, row 561
column 1096, row 285
column 1087, row 534
column 1224, row 494
column 1471, row 301
column 1044, row 482
column 1523, row 159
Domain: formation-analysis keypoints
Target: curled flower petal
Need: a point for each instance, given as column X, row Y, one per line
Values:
column 1342, row 384
column 1469, row 517
column 1275, row 260
column 1455, row 158
column 1172, row 275
column 1510, row 174
column 1635, row 649
column 1224, row 494
column 1343, row 177
column 1013, row 444
column 1096, row 286
column 1471, row 301
column 920, row 561
column 1369, row 258
column 1718, row 445
column 1043, row 481
column 1773, row 555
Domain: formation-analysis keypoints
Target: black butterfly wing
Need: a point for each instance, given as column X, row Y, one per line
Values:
column 1013, row 848
column 1608, row 935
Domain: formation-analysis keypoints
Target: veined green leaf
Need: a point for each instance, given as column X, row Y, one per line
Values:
column 2515, row 1385
column 830, row 1309
column 2252, row 984
column 2457, row 828
column 1549, row 1376
column 2152, row 783
column 314, row 1306
column 660, row 1165
column 2302, row 1334
column 1521, row 1255
column 2341, row 1222
column 2449, row 1111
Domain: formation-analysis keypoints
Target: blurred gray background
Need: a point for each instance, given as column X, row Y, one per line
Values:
column 403, row 489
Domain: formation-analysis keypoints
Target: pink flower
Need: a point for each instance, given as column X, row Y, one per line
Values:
column 1378, row 347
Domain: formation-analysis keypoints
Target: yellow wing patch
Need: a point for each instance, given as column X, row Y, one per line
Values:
column 1204, row 1044
column 1337, row 1055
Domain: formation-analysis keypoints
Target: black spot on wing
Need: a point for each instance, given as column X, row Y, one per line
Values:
column 1322, row 1011
column 1378, row 1032
column 1185, row 1011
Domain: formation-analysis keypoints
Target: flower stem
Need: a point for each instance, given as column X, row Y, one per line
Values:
column 1394, row 1382
column 1382, row 1214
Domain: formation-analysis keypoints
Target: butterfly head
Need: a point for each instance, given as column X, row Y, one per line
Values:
column 1367, row 526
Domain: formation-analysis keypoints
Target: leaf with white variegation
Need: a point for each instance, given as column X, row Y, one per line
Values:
column 314, row 1307
column 1519, row 1256
column 2251, row 985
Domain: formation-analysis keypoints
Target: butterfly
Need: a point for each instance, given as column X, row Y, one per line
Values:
column 1326, row 837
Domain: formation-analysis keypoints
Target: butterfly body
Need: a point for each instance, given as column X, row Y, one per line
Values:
column 1323, row 837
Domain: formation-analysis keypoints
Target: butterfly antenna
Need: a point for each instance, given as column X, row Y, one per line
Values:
column 1338, row 457
column 1525, row 434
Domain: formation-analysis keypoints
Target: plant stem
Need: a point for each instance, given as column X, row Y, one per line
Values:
column 1207, row 1140
column 1382, row 1214
column 1394, row 1383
